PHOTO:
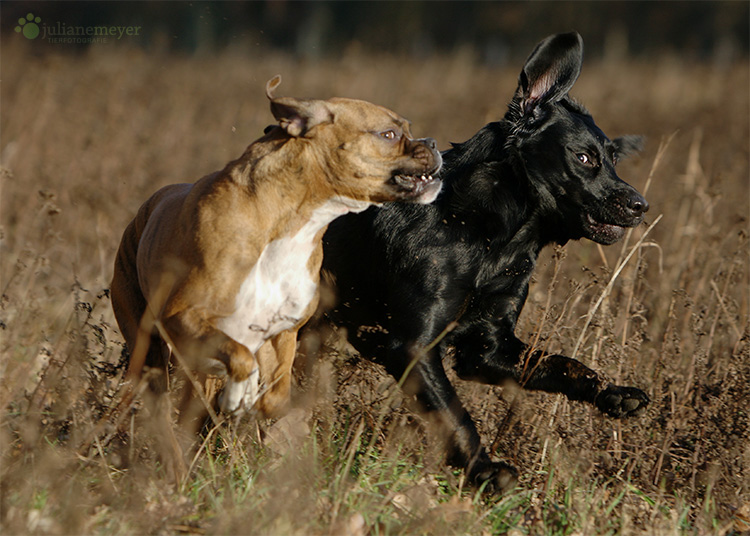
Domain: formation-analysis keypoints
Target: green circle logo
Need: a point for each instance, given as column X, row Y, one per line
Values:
column 29, row 26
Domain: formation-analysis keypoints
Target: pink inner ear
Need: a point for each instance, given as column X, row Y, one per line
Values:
column 543, row 85
column 295, row 126
column 297, row 116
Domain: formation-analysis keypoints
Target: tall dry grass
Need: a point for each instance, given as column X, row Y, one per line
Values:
column 86, row 138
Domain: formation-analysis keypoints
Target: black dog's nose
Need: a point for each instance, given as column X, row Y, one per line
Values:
column 637, row 204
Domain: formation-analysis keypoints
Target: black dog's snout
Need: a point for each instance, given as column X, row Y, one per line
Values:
column 637, row 204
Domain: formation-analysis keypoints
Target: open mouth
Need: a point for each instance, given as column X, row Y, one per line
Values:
column 603, row 233
column 422, row 188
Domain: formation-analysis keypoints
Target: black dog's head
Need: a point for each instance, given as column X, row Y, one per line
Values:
column 568, row 159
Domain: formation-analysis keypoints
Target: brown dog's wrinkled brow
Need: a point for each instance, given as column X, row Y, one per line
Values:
column 405, row 126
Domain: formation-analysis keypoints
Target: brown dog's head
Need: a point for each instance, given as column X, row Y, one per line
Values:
column 367, row 150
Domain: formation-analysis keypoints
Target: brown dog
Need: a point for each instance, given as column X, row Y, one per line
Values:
column 225, row 270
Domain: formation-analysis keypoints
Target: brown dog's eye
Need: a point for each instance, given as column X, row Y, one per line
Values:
column 389, row 135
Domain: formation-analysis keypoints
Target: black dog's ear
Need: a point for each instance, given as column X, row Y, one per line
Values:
column 550, row 71
column 628, row 145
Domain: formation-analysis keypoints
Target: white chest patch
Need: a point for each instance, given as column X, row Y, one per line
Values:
column 275, row 294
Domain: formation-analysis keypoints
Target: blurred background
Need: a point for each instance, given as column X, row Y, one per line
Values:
column 497, row 32
column 91, row 125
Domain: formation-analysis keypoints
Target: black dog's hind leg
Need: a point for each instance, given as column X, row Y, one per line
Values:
column 423, row 377
column 438, row 401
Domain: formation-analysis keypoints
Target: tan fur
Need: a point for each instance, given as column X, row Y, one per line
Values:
column 184, row 257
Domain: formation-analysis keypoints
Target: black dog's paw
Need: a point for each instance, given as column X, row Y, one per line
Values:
column 497, row 477
column 620, row 402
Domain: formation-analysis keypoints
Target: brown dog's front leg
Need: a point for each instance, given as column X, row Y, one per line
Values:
column 196, row 339
column 277, row 357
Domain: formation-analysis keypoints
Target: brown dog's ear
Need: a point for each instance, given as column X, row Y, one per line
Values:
column 296, row 116
column 271, row 86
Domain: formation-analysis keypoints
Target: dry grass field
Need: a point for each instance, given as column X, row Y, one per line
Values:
column 87, row 137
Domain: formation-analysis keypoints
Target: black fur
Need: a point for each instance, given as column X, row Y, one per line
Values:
column 544, row 174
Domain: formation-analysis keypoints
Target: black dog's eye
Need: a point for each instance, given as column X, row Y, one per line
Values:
column 615, row 157
column 585, row 159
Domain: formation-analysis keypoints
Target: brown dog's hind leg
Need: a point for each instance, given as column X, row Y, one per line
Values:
column 195, row 409
column 129, row 305
column 144, row 346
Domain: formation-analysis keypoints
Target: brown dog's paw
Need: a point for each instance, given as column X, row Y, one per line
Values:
column 497, row 477
column 620, row 402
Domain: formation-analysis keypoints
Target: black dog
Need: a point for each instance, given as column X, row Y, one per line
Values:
column 544, row 174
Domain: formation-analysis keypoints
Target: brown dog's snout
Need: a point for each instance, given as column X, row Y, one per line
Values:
column 425, row 151
column 430, row 142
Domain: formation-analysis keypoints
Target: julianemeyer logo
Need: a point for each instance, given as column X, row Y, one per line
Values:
column 31, row 27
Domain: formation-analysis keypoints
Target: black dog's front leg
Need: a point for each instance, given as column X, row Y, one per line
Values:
column 561, row 374
column 490, row 353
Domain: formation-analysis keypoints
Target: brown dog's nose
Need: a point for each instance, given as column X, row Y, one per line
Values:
column 428, row 143
column 424, row 149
